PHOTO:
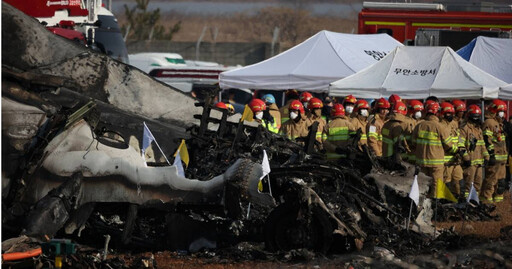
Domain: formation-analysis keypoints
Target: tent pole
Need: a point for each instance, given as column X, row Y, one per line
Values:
column 483, row 110
column 283, row 101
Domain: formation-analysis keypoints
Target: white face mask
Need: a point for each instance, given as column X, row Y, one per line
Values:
column 364, row 112
column 417, row 114
column 293, row 115
column 349, row 109
column 259, row 115
column 501, row 114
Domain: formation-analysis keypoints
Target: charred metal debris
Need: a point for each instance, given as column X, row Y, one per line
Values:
column 306, row 202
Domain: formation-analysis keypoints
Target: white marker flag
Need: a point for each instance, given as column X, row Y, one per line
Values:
column 414, row 194
column 265, row 165
column 179, row 165
column 147, row 138
column 473, row 195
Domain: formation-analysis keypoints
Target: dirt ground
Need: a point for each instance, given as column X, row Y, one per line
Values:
column 485, row 229
column 488, row 231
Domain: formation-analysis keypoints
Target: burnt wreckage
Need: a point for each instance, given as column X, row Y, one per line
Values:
column 72, row 167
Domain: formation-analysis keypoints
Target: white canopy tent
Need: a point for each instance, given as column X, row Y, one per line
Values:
column 493, row 55
column 418, row 72
column 313, row 64
column 506, row 92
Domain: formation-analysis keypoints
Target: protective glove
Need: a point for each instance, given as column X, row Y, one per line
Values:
column 267, row 117
column 486, row 162
column 466, row 164
column 492, row 160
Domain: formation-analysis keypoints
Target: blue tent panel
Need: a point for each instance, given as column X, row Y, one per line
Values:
column 465, row 52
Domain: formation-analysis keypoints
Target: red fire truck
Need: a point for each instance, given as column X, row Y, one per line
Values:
column 402, row 20
column 85, row 21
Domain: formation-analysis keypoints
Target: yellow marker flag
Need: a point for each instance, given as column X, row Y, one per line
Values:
column 182, row 149
column 248, row 115
column 442, row 192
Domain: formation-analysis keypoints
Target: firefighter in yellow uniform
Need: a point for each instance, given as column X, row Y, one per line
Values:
column 415, row 113
column 291, row 95
column 338, row 133
column 475, row 154
column 270, row 101
column 315, row 106
column 360, row 120
column 460, row 110
column 431, row 141
column 452, row 169
column 395, row 131
column 349, row 103
column 259, row 108
column 495, row 173
column 297, row 125
column 374, row 127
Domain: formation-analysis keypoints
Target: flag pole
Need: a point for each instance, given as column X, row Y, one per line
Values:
column 161, row 151
column 409, row 218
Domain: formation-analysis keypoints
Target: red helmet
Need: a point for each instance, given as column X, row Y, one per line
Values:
column 338, row 110
column 296, row 105
column 497, row 105
column 459, row 105
column 257, row 105
column 315, row 103
column 382, row 103
column 415, row 105
column 474, row 109
column 447, row 108
column 361, row 104
column 394, row 98
column 221, row 105
column 400, row 108
column 349, row 99
column 305, row 97
column 432, row 107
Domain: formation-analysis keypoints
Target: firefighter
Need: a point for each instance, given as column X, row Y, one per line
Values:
column 270, row 101
column 349, row 103
column 452, row 170
column 415, row 111
column 262, row 115
column 460, row 110
column 374, row 127
column 415, row 115
column 338, row 133
column 360, row 121
column 315, row 106
column 474, row 153
column 431, row 140
column 296, row 126
column 304, row 99
column 393, row 99
column 494, row 136
column 291, row 95
column 395, row 131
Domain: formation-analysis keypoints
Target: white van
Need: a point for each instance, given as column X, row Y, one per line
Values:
column 148, row 61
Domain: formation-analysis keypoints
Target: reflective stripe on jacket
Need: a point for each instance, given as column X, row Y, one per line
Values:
column 493, row 130
column 293, row 130
column 472, row 132
column 431, row 140
column 374, row 132
column 338, row 135
column 396, row 129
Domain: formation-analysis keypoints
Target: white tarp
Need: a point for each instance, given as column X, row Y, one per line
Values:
column 493, row 55
column 418, row 72
column 313, row 64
